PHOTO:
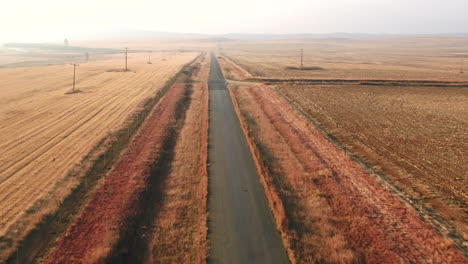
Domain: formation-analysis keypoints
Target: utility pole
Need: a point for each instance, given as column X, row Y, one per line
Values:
column 462, row 66
column 302, row 58
column 126, row 55
column 74, row 75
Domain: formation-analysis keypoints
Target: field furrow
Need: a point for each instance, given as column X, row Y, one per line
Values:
column 45, row 132
column 336, row 211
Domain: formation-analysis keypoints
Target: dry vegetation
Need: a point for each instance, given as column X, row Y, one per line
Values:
column 399, row 148
column 410, row 138
column 180, row 227
column 333, row 210
column 417, row 136
column 45, row 132
column 399, row 58
column 115, row 226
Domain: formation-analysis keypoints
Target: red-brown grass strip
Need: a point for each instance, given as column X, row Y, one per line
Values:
column 92, row 168
column 97, row 230
column 133, row 240
column 337, row 212
column 266, row 179
column 180, row 226
column 170, row 223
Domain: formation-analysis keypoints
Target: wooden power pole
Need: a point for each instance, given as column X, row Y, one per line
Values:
column 462, row 65
column 302, row 58
column 126, row 59
column 74, row 75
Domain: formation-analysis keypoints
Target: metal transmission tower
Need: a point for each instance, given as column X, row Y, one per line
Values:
column 302, row 58
column 74, row 75
column 126, row 55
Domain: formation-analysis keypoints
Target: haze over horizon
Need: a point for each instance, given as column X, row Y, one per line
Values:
column 49, row 20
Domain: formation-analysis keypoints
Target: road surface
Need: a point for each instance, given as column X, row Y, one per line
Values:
column 241, row 226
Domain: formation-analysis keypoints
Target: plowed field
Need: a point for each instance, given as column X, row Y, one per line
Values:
column 335, row 211
column 416, row 136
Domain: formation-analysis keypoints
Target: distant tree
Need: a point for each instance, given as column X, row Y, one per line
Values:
column 65, row 42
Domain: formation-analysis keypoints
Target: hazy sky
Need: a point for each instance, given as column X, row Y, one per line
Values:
column 37, row 20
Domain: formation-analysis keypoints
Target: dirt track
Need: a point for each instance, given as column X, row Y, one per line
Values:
column 241, row 227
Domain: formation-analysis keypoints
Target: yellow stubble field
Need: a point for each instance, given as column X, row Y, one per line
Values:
column 45, row 131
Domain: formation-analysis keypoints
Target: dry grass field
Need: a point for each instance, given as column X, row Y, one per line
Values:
column 417, row 136
column 420, row 130
column 180, row 226
column 116, row 224
column 330, row 209
column 46, row 132
column 411, row 137
column 399, row 58
column 362, row 167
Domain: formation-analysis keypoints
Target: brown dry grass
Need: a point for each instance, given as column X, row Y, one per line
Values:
column 429, row 117
column 45, row 132
column 336, row 212
column 308, row 233
column 180, row 226
column 400, row 58
column 417, row 136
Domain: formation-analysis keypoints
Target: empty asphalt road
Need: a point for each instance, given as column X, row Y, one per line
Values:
column 241, row 226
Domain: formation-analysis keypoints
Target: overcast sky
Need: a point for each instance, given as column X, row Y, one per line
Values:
column 40, row 20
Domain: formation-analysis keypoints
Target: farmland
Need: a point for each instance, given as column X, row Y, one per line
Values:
column 327, row 206
column 115, row 223
column 415, row 135
column 235, row 156
column 47, row 131
column 376, row 58
column 394, row 111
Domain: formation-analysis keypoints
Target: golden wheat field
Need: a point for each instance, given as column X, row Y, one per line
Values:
column 416, row 58
column 45, row 131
